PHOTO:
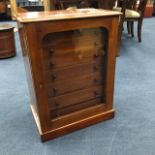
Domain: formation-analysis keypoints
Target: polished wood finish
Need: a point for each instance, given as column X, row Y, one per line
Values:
column 7, row 41
column 70, row 64
column 64, row 15
column 64, row 4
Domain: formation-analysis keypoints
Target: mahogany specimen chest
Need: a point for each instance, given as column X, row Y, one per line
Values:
column 70, row 62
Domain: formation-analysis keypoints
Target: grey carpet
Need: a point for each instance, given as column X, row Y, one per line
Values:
column 131, row 132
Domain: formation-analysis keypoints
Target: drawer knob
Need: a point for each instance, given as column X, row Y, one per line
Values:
column 57, row 109
column 56, row 104
column 95, row 81
column 53, row 77
column 41, row 86
column 96, row 94
column 103, row 52
column 95, row 43
column 55, row 91
column 80, row 56
column 95, row 68
column 52, row 64
column 95, row 55
column 51, row 51
column 96, row 33
column 80, row 33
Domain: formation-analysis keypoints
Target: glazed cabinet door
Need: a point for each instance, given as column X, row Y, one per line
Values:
column 74, row 69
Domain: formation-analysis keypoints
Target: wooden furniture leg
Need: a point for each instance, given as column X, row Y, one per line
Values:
column 139, row 29
column 132, row 28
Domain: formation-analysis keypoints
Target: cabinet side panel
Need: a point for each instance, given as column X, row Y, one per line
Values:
column 24, row 46
column 112, row 47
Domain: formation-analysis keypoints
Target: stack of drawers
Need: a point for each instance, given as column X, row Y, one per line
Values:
column 74, row 69
column 69, row 58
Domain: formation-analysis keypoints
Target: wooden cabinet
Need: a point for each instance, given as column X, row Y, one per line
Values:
column 70, row 62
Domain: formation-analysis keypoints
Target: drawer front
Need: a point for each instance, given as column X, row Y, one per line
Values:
column 69, row 48
column 74, row 71
column 74, row 68
column 75, row 97
column 84, row 47
column 74, row 84
column 73, row 37
column 71, row 58
column 62, row 111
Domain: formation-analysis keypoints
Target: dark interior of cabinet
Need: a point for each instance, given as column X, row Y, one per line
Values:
column 75, row 69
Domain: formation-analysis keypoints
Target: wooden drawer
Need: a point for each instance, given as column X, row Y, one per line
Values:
column 69, row 48
column 73, row 45
column 73, row 84
column 74, row 68
column 75, row 97
column 74, row 37
column 67, row 110
column 54, row 74
column 70, row 58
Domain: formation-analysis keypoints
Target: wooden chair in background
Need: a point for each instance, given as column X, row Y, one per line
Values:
column 133, row 10
column 63, row 4
column 136, row 13
column 103, row 4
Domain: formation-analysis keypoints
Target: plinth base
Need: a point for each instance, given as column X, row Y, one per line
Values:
column 88, row 121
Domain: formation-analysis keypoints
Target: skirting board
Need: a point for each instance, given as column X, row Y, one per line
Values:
column 76, row 125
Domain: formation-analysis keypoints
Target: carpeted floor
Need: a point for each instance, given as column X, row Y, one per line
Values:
column 131, row 132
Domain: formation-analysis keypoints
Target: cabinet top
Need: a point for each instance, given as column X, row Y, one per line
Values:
column 64, row 15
